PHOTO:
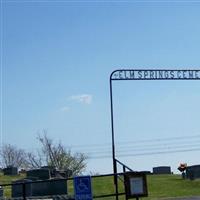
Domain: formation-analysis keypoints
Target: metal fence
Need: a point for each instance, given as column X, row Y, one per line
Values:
column 100, row 185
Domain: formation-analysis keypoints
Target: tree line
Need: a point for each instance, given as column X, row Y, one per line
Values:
column 49, row 154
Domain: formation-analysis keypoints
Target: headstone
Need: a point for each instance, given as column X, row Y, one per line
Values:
column 53, row 187
column 193, row 172
column 38, row 174
column 63, row 173
column 162, row 170
column 51, row 169
column 11, row 171
column 17, row 189
column 47, row 186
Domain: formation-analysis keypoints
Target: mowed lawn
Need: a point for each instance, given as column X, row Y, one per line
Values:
column 159, row 186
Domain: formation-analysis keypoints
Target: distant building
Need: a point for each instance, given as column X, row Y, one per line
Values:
column 162, row 170
column 193, row 172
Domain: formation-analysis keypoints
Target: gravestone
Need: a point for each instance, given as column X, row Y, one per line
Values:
column 17, row 190
column 63, row 173
column 193, row 172
column 162, row 170
column 38, row 174
column 47, row 186
column 51, row 169
column 10, row 170
column 53, row 187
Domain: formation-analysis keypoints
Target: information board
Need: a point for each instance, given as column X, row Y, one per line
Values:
column 135, row 184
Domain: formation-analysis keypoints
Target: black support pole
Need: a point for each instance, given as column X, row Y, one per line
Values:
column 24, row 190
column 113, row 142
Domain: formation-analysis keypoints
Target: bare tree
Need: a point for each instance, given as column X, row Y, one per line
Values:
column 78, row 164
column 56, row 155
column 50, row 154
column 12, row 156
column 33, row 161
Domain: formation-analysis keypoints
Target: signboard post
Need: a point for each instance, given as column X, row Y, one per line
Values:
column 82, row 188
column 135, row 185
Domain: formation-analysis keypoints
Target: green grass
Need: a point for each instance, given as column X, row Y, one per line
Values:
column 162, row 186
column 8, row 180
column 159, row 186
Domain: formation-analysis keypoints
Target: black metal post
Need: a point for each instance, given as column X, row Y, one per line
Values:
column 125, row 188
column 113, row 142
column 24, row 190
column 124, row 169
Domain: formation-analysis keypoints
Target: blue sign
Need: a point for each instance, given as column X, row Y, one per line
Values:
column 82, row 188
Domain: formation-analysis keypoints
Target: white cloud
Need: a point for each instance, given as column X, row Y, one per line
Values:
column 83, row 98
column 65, row 109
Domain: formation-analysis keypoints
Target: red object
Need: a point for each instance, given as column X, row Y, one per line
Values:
column 182, row 167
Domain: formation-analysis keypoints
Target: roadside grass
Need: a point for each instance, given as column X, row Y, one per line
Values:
column 159, row 186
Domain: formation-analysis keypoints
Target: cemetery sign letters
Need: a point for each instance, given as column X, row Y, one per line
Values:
column 128, row 74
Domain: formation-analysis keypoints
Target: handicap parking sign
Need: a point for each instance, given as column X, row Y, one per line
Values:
column 82, row 188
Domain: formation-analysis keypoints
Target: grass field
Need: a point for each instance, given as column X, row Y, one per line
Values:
column 171, row 186
column 159, row 186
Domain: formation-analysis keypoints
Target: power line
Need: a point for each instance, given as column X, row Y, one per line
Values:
column 162, row 139
column 160, row 152
column 159, row 144
column 147, row 153
column 142, row 149
column 149, row 144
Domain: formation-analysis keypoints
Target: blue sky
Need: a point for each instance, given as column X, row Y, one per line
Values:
column 57, row 57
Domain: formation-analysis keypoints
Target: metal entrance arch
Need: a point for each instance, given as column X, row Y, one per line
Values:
column 142, row 75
